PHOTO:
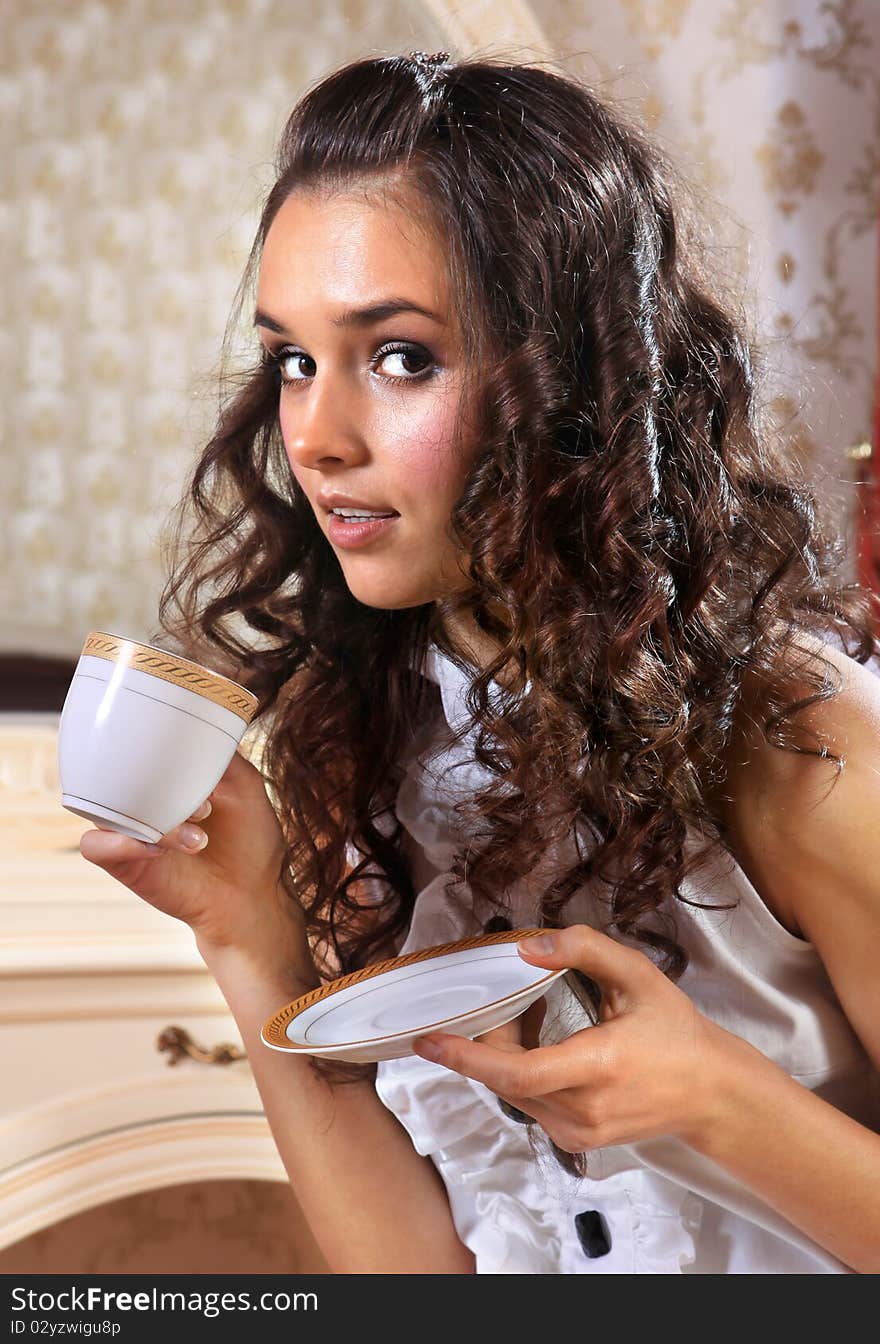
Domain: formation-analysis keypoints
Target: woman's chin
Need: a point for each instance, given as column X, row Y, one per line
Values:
column 385, row 597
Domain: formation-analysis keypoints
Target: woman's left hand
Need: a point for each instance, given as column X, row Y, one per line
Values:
column 652, row 1067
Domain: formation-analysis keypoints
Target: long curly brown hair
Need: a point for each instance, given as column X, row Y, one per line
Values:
column 640, row 550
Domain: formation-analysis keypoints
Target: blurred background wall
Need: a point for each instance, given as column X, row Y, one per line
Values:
column 136, row 139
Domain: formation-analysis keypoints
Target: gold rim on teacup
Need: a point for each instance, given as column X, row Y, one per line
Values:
column 176, row 670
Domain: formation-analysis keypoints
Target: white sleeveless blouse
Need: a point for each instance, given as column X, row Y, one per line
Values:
column 664, row 1208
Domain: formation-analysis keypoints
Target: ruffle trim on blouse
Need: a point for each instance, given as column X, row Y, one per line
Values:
column 665, row 1224
column 509, row 1209
column 499, row 1211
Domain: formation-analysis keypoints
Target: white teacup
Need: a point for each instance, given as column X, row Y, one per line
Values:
column 145, row 735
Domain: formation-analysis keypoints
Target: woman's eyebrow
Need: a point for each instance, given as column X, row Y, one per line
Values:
column 358, row 317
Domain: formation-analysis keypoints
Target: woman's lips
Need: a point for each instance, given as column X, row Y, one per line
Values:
column 350, row 535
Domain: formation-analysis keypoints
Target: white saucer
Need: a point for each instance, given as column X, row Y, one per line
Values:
column 465, row 988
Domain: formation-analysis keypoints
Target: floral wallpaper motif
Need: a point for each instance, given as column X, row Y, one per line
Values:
column 773, row 114
column 136, row 138
column 790, row 159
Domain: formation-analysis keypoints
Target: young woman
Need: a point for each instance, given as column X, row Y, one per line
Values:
column 590, row 670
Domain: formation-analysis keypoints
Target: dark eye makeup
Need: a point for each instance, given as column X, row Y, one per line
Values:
column 408, row 350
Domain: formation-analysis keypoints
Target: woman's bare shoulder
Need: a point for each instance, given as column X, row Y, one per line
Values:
column 783, row 810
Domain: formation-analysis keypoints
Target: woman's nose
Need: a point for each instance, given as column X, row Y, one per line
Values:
column 322, row 426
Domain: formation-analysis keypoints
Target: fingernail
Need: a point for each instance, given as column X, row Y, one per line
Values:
column 204, row 811
column 541, row 945
column 193, row 838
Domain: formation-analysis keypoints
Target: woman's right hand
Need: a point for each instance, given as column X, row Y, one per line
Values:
column 227, row 890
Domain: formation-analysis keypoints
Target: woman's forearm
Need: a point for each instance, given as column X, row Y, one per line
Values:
column 373, row 1204
column 812, row 1163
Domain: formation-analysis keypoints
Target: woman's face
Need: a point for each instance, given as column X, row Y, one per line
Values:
column 368, row 408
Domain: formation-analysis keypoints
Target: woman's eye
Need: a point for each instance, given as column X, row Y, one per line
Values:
column 398, row 364
column 288, row 362
column 407, row 355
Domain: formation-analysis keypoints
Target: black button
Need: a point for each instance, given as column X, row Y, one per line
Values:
column 593, row 1234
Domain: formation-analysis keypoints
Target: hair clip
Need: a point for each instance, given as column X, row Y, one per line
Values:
column 422, row 58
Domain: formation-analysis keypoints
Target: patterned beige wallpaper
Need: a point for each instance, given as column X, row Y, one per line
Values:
column 136, row 138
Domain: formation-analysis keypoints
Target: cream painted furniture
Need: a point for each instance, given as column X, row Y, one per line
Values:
column 90, row 978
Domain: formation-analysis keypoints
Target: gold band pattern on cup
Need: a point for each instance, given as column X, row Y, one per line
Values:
column 274, row 1031
column 178, row 671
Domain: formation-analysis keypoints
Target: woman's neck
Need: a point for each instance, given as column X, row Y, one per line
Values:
column 471, row 643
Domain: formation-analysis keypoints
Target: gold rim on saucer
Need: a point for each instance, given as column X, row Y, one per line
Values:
column 274, row 1031
column 171, row 667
